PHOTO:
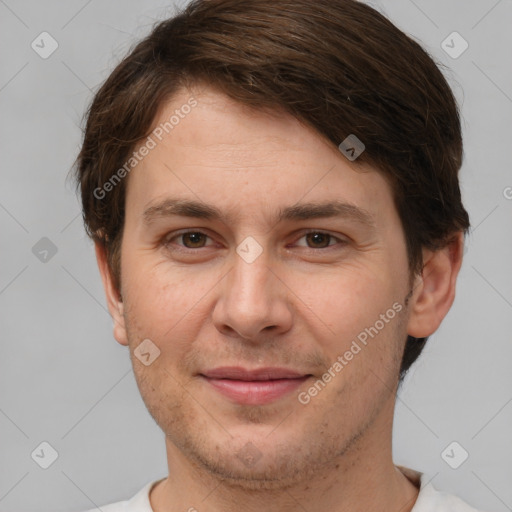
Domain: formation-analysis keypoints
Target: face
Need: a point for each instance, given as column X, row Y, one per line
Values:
column 276, row 281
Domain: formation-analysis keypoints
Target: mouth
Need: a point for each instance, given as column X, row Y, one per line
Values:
column 254, row 387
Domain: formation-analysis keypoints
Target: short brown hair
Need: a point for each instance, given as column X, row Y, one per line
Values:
column 339, row 66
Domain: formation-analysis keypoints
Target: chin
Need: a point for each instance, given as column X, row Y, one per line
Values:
column 264, row 475
column 254, row 463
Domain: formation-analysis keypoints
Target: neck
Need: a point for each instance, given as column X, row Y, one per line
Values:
column 363, row 478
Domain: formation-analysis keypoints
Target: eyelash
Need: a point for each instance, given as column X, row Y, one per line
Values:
column 168, row 240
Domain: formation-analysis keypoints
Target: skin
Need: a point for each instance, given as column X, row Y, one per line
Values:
column 299, row 305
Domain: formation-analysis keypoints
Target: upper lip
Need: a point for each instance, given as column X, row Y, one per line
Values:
column 239, row 373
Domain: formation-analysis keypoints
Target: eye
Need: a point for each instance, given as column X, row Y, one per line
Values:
column 319, row 239
column 191, row 239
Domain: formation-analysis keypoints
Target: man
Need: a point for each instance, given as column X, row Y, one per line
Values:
column 272, row 191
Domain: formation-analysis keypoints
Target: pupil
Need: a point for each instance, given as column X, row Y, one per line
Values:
column 319, row 237
column 195, row 238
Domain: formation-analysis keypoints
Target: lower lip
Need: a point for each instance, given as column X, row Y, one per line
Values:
column 255, row 392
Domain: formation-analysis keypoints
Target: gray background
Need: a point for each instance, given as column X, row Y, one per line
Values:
column 66, row 381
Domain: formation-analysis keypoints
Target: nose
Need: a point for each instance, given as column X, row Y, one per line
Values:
column 253, row 301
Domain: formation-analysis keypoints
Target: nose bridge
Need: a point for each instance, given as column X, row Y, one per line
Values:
column 251, row 298
column 250, row 285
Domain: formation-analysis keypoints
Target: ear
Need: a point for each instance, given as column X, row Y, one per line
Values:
column 434, row 290
column 114, row 300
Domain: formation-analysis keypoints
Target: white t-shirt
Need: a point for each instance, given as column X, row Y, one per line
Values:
column 429, row 499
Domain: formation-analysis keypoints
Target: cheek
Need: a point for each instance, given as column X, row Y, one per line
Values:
column 345, row 301
column 164, row 302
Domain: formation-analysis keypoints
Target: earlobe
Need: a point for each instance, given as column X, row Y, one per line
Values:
column 434, row 290
column 113, row 296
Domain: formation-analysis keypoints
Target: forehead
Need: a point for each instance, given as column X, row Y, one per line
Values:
column 208, row 146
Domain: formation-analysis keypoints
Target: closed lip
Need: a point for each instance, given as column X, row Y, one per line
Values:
column 240, row 373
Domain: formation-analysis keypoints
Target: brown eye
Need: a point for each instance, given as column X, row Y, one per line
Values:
column 187, row 242
column 197, row 239
column 321, row 241
column 318, row 239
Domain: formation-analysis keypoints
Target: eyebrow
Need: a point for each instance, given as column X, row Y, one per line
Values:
column 303, row 211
